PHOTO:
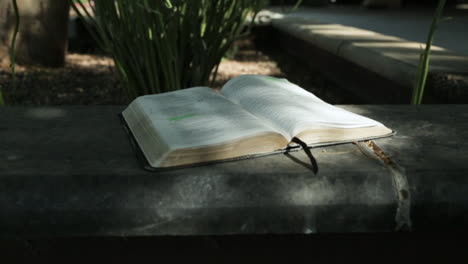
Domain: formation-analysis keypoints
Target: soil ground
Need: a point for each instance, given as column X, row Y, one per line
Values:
column 91, row 79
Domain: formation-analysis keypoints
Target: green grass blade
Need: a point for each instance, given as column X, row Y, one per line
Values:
column 12, row 54
column 424, row 63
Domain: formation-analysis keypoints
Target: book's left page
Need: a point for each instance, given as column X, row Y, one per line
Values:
column 196, row 125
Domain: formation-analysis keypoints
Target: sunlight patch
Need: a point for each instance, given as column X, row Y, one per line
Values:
column 45, row 113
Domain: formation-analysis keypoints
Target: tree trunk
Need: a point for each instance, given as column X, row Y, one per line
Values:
column 43, row 34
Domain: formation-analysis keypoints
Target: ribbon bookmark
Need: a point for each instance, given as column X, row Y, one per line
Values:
column 306, row 149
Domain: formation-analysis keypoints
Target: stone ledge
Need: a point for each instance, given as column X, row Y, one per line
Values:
column 71, row 171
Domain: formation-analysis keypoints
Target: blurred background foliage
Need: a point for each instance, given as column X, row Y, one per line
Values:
column 161, row 46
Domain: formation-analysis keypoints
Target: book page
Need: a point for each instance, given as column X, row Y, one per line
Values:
column 198, row 117
column 288, row 107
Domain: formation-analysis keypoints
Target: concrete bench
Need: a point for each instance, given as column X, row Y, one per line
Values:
column 68, row 171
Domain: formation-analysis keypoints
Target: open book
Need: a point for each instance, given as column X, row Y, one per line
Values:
column 251, row 115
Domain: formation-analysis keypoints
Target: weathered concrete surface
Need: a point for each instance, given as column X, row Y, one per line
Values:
column 71, row 171
column 386, row 42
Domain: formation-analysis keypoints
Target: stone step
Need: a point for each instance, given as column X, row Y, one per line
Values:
column 386, row 43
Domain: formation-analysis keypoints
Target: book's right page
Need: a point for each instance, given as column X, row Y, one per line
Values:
column 298, row 113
